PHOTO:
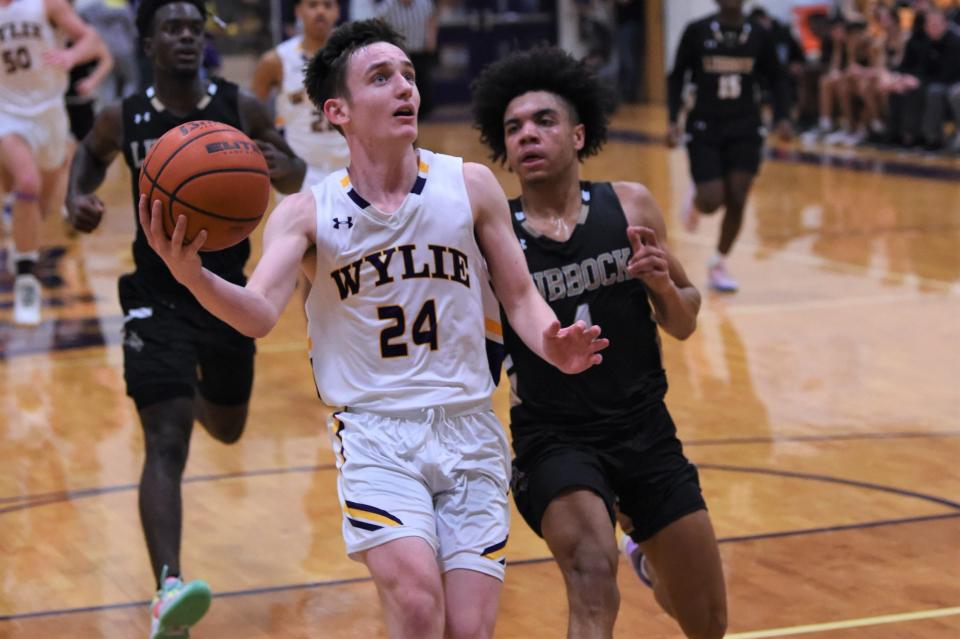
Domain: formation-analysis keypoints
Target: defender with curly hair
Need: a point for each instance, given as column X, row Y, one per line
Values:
column 599, row 445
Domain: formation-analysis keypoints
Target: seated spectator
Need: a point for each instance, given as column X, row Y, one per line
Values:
column 834, row 82
column 886, row 42
column 854, row 130
column 929, row 87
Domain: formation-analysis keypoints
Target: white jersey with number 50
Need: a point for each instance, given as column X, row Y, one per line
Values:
column 305, row 128
column 28, row 85
column 395, row 314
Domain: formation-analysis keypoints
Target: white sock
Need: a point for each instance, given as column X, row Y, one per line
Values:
column 30, row 256
column 715, row 259
column 826, row 124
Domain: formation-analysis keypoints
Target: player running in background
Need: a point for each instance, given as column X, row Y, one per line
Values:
column 34, row 132
column 180, row 362
column 724, row 56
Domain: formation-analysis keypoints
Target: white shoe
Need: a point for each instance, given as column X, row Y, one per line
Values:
column 854, row 139
column 839, row 136
column 720, row 279
column 27, row 299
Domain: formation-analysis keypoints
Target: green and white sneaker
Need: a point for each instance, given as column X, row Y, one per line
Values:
column 177, row 606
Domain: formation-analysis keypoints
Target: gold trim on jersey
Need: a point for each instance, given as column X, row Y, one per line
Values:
column 493, row 326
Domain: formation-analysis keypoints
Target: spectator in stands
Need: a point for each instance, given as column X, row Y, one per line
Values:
column 789, row 51
column 887, row 43
column 930, row 84
column 416, row 21
column 113, row 20
column 834, row 88
column 629, row 21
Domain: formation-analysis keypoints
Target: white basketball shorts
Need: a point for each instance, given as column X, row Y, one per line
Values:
column 47, row 134
column 440, row 477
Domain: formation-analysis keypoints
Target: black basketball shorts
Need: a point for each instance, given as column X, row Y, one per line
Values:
column 717, row 148
column 174, row 348
column 648, row 480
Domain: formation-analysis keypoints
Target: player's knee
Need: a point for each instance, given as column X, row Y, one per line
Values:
column 467, row 623
column 227, row 431
column 709, row 199
column 224, row 423
column 590, row 571
column 419, row 608
column 26, row 185
column 709, row 623
column 167, row 451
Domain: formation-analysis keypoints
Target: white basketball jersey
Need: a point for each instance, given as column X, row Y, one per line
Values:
column 395, row 315
column 28, row 86
column 304, row 127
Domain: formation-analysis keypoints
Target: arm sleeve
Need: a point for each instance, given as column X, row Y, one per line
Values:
column 677, row 77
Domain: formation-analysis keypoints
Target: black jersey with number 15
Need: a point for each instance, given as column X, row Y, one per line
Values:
column 585, row 278
column 725, row 64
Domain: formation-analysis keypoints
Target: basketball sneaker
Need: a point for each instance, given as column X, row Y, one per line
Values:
column 719, row 278
column 631, row 550
column 26, row 300
column 177, row 606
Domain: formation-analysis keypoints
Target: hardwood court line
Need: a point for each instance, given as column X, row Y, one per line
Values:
column 802, row 532
column 849, row 623
column 41, row 499
column 23, row 502
column 871, row 272
column 521, row 562
column 835, row 480
column 786, row 439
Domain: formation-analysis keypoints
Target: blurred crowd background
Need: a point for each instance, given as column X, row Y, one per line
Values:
column 876, row 72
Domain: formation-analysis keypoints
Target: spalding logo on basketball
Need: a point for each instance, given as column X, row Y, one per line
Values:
column 214, row 175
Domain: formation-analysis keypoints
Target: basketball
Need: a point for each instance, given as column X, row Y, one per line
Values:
column 214, row 175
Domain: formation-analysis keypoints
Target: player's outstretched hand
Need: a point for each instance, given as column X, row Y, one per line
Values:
column 574, row 348
column 649, row 261
column 182, row 259
column 84, row 212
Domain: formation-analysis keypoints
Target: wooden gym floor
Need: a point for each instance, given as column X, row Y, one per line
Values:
column 821, row 404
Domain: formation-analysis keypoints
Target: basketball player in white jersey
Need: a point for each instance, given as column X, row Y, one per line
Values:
column 394, row 246
column 33, row 123
column 304, row 126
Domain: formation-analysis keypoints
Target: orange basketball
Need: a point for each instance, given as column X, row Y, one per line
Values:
column 214, row 175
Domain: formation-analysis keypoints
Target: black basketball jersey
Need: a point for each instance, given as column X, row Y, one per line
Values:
column 144, row 121
column 586, row 278
column 725, row 65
